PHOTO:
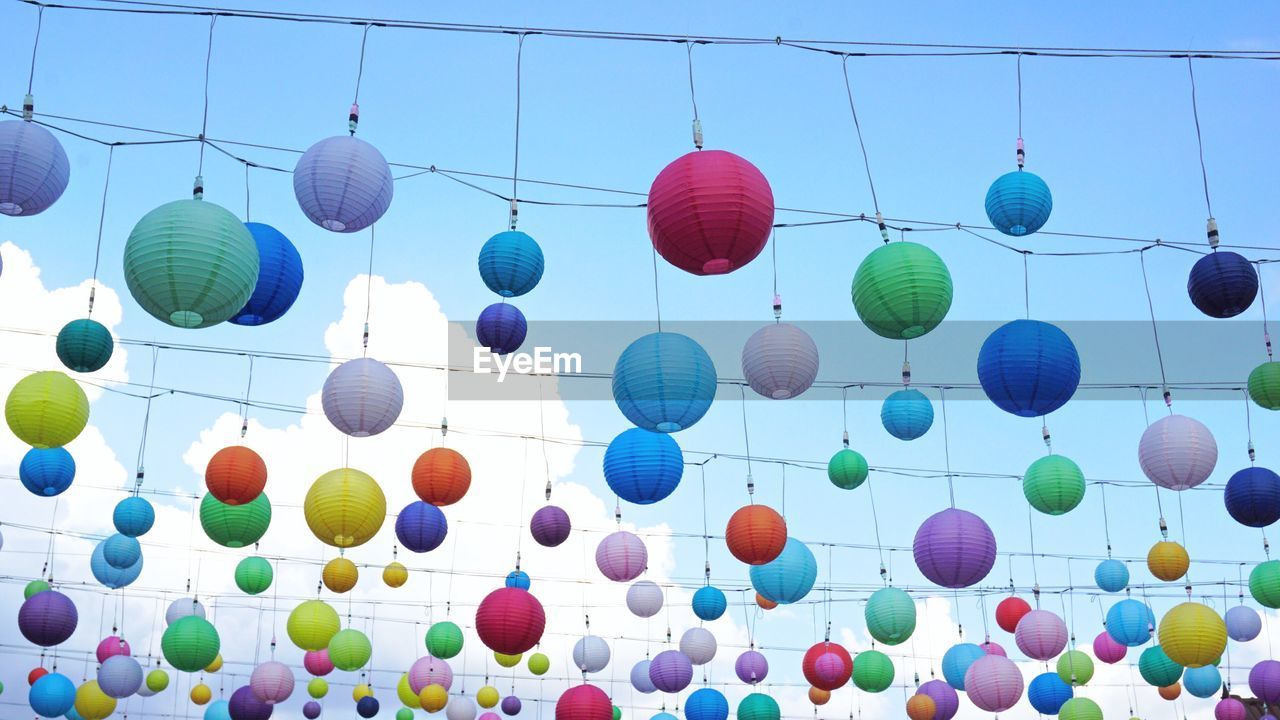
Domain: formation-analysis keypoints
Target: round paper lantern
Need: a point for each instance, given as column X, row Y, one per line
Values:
column 501, row 328
column 1264, row 583
column 706, row 704
column 1168, row 560
column 1080, row 708
column 93, row 704
column 421, row 527
column 891, row 615
column 133, row 516
column 780, row 361
column 33, row 587
column 1203, row 682
column 235, row 526
column 1222, row 284
column 765, row 603
column 643, row 467
column 157, row 680
column 1107, row 649
column 235, row 475
column 200, row 694
column 1193, row 635
column 362, row 397
column 993, row 683
column 1264, row 385
column 1054, row 485
column 340, row 575
column 395, row 574
column 427, row 671
column 751, row 667
column 872, row 671
column 511, row 705
column 511, row 263
column 1018, row 203
column 1075, row 668
column 119, row 676
column 487, row 696
column 437, row 697
column 826, row 665
column 1111, row 575
column 1047, row 693
column 709, row 603
column 181, row 608
column 221, row 710
column 121, row 551
column 640, row 677
column 758, row 706
column 550, row 526
column 1029, row 368
column 345, row 508
column 367, row 706
column 699, row 645
column 361, row 690
column 921, row 707
column 847, row 469
column 902, row 290
column 46, row 472
column 47, row 618
column 311, row 710
column 34, row 170
column 664, row 382
column 710, row 212
column 1157, row 668
column 584, row 702
column 84, row 345
column 621, row 556
column 271, row 682
column 110, row 647
column 1177, row 452
column 349, row 649
column 1010, row 611
column 956, row 661
column 1041, row 635
column 462, row 710
column 253, row 575
column 444, row 639
column 215, row 665
column 944, row 697
column 591, row 653
column 670, row 671
column 112, row 577
column 52, row 695
column 244, row 705
column 1130, row 622
column 644, row 598
column 539, row 664
column 510, row 621
column 1264, row 681
column 318, row 687
column 343, row 184
column 788, row 577
column 507, row 661
column 907, row 414
column 317, row 662
column 1253, row 497
column 441, row 476
column 190, row 643
column 756, row 534
column 1230, row 708
column 1171, row 692
column 279, row 277
column 312, row 624
column 954, row 548
column 1243, row 623
column 991, row 648
column 46, row 409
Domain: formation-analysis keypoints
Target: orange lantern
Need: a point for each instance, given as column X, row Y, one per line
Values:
column 818, row 696
column 1171, row 692
column 756, row 534
column 235, row 475
column 340, row 575
column 765, row 602
column 921, row 707
column 441, row 476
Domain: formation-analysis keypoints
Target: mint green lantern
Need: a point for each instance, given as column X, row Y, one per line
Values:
column 191, row 263
column 890, row 615
column 847, row 469
column 872, row 671
column 1264, row 385
column 758, row 706
column 902, row 290
column 1054, row 485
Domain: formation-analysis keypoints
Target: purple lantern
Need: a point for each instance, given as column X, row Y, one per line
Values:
column 311, row 710
column 48, row 618
column 245, row 705
column 751, row 667
column 550, row 526
column 671, row 671
column 1230, row 709
column 501, row 328
column 1264, row 681
column 954, row 548
column 511, row 705
column 622, row 556
column 944, row 697
column 428, row 670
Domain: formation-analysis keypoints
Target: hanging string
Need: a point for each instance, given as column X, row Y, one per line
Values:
column 706, row 536
column 1195, row 114
column 1106, row 525
column 875, row 521
column 244, row 415
column 146, row 422
column 746, row 439
column 204, row 120
column 1026, row 283
column 515, row 170
column 1248, row 424
column 697, row 122
column 657, row 303
column 1182, row 521
column 773, row 248
column 34, row 46
column 946, row 448
column 1031, row 532
column 844, row 412
column 848, row 89
column 1164, row 382
column 1019, row 97
column 102, row 216
column 246, row 191
column 364, row 40
column 368, row 291
column 1262, row 300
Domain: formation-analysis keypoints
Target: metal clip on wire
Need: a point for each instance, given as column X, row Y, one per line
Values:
column 777, row 307
column 444, row 426
column 1048, row 439
column 1164, row 529
column 884, row 229
column 1211, row 229
column 197, row 188
column 1022, row 153
column 697, row 133
column 751, row 485
column 28, row 107
column 906, row 373
column 846, row 438
column 515, row 213
column 548, row 491
column 353, row 119
column 1251, row 452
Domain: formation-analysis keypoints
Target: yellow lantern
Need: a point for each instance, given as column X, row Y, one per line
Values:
column 312, row 624
column 340, row 575
column 201, row 694
column 361, row 691
column 395, row 575
column 434, row 697
column 921, row 707
column 345, row 508
column 318, row 688
column 1193, row 635
column 1168, row 560
column 407, row 696
column 507, row 661
column 216, row 665
column 47, row 409
column 487, row 696
column 93, row 704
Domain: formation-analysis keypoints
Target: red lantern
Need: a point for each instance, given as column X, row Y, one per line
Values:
column 235, row 475
column 1010, row 611
column 710, row 212
column 827, row 666
column 756, row 534
column 35, row 675
column 584, row 702
column 510, row 621
column 441, row 476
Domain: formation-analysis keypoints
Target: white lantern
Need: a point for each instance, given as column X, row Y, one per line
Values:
column 343, row 184
column 120, row 676
column 640, row 677
column 1177, row 452
column 622, row 556
column 33, row 168
column 591, row 653
column 699, row 645
column 362, row 397
column 644, row 598
column 780, row 361
column 181, row 608
column 460, row 708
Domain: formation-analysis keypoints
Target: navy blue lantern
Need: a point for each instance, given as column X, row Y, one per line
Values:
column 518, row 579
column 84, row 345
column 511, row 263
column 643, row 467
column 1048, row 693
column 907, row 414
column 1029, row 368
column 501, row 328
column 709, row 603
column 1018, row 203
column 279, row 277
column 706, row 704
column 367, row 707
column 421, row 527
column 47, row 471
column 1253, row 497
column 133, row 516
column 1222, row 284
column 664, row 382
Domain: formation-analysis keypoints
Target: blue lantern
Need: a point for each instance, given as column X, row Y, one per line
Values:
column 956, row 661
column 84, row 345
column 518, row 579
column 219, row 710
column 47, row 471
column 421, row 527
column 788, row 577
column 1111, row 575
column 706, row 704
column 1047, row 693
column 1203, row 681
column 501, row 328
column 1253, row 497
column 121, row 551
column 907, row 414
column 367, row 707
column 52, row 695
column 1129, row 622
column 1019, row 203
column 279, row 277
column 643, row 467
column 1222, row 284
column 664, row 382
column 709, row 603
column 133, row 516
column 113, row 578
column 1029, row 368
column 511, row 263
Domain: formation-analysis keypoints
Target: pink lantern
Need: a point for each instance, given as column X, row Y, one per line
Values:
column 991, row 648
column 1107, row 649
column 830, row 669
column 621, row 556
column 111, row 646
column 428, row 670
column 271, row 682
column 317, row 662
column 994, row 683
column 1041, row 635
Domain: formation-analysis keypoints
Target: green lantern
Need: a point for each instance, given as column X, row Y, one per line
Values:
column 33, row 587
column 191, row 264
column 539, row 663
column 891, row 616
column 902, row 290
column 235, row 526
column 444, row 640
column 847, row 469
column 349, row 649
column 1264, row 584
column 47, row 409
column 190, row 643
column 872, row 671
column 617, row 713
column 253, row 575
column 1053, row 484
column 84, row 345
column 758, row 706
column 157, row 680
column 1080, row 708
column 1264, row 385
column 1156, row 667
column 1075, row 668
column 312, row 624
column 404, row 713
column 318, row 688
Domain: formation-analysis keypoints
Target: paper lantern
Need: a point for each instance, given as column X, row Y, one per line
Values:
column 826, row 665
column 1108, row 649
column 789, row 577
column 670, row 671
column 511, row 705
column 584, row 702
column 511, row 263
column 699, row 645
column 1168, row 560
column 427, row 671
column 1075, row 668
column 52, row 695
column 444, row 639
column 271, row 682
column 133, row 516
column 119, row 676
column 780, row 361
column 756, row 534
column 664, row 382
column 1177, row 452
column 181, row 608
column 344, row 508
column 902, row 290
column 245, row 705
column 518, row 579
column 640, row 677
column 1203, row 681
column 1230, row 708
column 46, row 409
column 441, row 476
column 235, row 475
column 1047, row 693
column 1054, row 485
column 110, row 576
column 421, row 527
column 121, row 551
column 1264, row 681
column 621, row 556
column 312, row 624
column 200, row 694
column 362, row 397
column 215, row 665
column 93, row 704
column 643, row 467
column 501, row 328
column 891, row 615
column 1264, row 584
column 706, row 704
column 1041, row 635
column 1157, row 668
column 253, row 575
column 1028, row 368
column 1010, row 611
column 591, row 653
column 944, row 697
column 993, row 683
column 847, row 469
column 1193, row 635
column 84, row 345
column 1018, row 203
column 1264, row 385
column 1080, row 708
column 190, row 644
column 367, row 707
column 758, row 706
column 395, row 574
column 510, row 621
column 992, row 648
column 1130, row 622
column 110, row 647
column 1222, row 284
column 407, row 696
column 343, row 184
column 349, row 649
column 765, row 603
column 461, row 710
column 33, row 587
column 235, row 526
column 954, row 548
column 550, row 526
column 906, row 414
column 921, row 707
column 1253, row 497
column 46, row 472
column 539, row 664
column 487, row 696
column 751, row 667
column 221, row 710
column 279, row 277
column 318, row 687
column 317, row 662
column 872, row 671
column 340, row 575
column 956, row 661
column 1111, row 575
column 47, row 618
column 644, row 598
column 1243, row 623
column 34, row 170
column 361, row 690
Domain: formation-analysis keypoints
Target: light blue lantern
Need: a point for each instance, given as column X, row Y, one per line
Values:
column 1129, row 622
column 1243, row 623
column 1029, row 368
column 1048, row 693
column 133, row 516
column 34, row 170
column 113, row 578
column 511, row 263
column 1203, row 681
column 1111, row 575
column 643, row 467
column 788, row 577
column 52, row 695
column 218, row 710
column 1019, row 203
column 47, row 471
column 518, row 579
column 664, row 716
column 709, row 603
column 956, row 661
column 664, row 382
column 279, row 277
column 907, row 414
column 121, row 551
column 706, row 704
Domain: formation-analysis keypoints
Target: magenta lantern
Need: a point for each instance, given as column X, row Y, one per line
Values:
column 317, row 662
column 111, row 646
column 1106, row 649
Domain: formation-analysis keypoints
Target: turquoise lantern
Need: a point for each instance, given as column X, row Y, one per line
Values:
column 511, row 263
column 709, row 603
column 907, row 414
column 133, row 516
column 1019, row 203
column 84, row 345
column 956, row 661
column 664, row 382
column 787, row 578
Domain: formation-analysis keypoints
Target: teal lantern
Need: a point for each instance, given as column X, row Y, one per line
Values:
column 1156, row 667
column 1019, row 203
column 890, row 615
column 1053, row 485
column 758, row 706
column 847, row 469
column 84, row 345
column 902, row 290
column 191, row 264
